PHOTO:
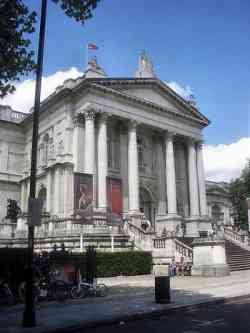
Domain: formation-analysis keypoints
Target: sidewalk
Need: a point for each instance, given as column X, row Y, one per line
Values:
column 129, row 298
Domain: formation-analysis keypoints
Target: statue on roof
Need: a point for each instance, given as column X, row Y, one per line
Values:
column 93, row 69
column 145, row 67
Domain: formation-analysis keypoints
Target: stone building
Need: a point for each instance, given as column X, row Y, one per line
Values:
column 129, row 145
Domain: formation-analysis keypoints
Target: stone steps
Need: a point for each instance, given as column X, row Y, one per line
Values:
column 237, row 258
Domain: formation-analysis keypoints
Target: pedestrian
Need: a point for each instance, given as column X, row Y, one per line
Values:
column 172, row 268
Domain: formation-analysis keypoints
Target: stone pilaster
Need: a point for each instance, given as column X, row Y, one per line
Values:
column 89, row 156
column 133, row 173
column 201, row 180
column 162, row 175
column 57, row 191
column 48, row 188
column 23, row 194
column 102, row 154
column 193, row 180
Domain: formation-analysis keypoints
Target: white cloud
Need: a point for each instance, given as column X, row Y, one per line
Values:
column 23, row 98
column 224, row 162
column 184, row 92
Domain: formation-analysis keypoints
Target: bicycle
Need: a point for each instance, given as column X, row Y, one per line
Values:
column 6, row 293
column 84, row 289
column 46, row 287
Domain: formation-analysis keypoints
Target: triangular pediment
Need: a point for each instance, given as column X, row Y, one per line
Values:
column 156, row 92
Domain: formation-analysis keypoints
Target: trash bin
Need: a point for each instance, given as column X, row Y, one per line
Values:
column 162, row 284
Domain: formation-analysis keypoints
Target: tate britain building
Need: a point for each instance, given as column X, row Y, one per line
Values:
column 131, row 147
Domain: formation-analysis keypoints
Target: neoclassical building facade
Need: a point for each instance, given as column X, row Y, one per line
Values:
column 138, row 140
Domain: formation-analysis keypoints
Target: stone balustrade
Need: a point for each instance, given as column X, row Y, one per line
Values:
column 184, row 250
column 239, row 238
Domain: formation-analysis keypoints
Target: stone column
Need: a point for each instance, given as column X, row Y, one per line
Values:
column 78, row 146
column 89, row 156
column 193, row 182
column 102, row 152
column 201, row 180
column 48, row 203
column 133, row 173
column 170, row 175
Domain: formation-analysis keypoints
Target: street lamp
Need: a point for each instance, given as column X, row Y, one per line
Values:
column 29, row 314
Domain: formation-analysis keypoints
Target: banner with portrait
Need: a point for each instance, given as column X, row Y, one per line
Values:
column 83, row 197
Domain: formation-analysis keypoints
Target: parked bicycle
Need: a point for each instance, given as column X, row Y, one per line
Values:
column 84, row 289
column 47, row 286
column 6, row 295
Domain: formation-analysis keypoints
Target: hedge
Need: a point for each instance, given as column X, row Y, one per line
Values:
column 13, row 261
column 123, row 263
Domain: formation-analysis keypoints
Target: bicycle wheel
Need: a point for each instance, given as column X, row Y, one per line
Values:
column 101, row 290
column 76, row 292
column 59, row 290
column 22, row 291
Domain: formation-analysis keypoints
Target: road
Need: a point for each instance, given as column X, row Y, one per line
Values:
column 232, row 316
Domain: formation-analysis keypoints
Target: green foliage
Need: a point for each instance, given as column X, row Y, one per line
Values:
column 14, row 260
column 80, row 10
column 16, row 24
column 240, row 189
column 15, row 58
column 123, row 263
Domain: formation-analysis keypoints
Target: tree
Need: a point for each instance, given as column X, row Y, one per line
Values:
column 16, row 24
column 240, row 189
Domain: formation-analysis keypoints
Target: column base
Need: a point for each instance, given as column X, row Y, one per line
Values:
column 169, row 223
column 211, row 270
column 135, row 217
column 198, row 226
column 209, row 258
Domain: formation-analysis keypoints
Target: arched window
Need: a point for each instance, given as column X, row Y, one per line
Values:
column 217, row 215
column 113, row 142
column 45, row 149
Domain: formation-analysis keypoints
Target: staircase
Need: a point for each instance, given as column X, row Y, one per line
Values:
column 238, row 259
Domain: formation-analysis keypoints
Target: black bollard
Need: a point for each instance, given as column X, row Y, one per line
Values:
column 162, row 284
column 91, row 264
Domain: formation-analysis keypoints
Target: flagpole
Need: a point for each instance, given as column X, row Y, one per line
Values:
column 86, row 65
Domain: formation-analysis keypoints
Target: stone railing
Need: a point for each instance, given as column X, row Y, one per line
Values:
column 159, row 243
column 183, row 250
column 141, row 239
column 239, row 238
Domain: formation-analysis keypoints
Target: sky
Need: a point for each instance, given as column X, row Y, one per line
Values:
column 198, row 46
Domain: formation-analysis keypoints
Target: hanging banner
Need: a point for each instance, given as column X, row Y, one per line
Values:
column 83, row 198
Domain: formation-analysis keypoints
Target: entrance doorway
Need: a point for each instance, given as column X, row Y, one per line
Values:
column 147, row 205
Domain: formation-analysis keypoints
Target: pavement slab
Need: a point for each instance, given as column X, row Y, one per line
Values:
column 129, row 298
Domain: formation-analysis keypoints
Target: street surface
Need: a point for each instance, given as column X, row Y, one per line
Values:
column 225, row 318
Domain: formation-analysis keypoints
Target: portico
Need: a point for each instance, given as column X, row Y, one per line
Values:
column 126, row 146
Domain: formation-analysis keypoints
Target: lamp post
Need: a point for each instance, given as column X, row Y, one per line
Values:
column 29, row 314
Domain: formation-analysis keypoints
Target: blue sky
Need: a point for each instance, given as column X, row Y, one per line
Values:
column 200, row 44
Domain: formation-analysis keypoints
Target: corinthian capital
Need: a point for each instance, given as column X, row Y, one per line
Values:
column 88, row 111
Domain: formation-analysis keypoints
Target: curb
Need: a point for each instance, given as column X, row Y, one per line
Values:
column 153, row 314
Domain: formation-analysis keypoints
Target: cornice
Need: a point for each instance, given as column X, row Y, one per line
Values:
column 101, row 84
column 142, row 101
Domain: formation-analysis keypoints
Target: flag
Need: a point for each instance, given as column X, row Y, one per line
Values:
column 92, row 46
